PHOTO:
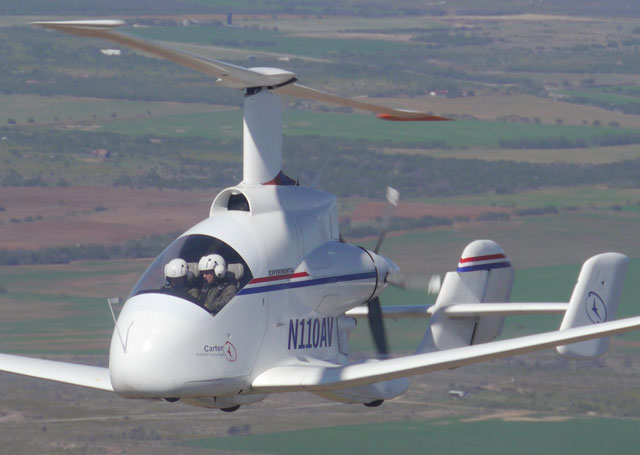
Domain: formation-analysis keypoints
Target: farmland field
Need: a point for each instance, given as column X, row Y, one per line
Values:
column 481, row 437
column 267, row 40
column 587, row 155
column 64, row 109
column 503, row 75
column 68, row 216
column 619, row 97
column 579, row 196
column 458, row 134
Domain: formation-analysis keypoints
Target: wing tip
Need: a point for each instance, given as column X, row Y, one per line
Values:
column 80, row 26
column 413, row 118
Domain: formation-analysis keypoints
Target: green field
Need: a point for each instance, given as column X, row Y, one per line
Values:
column 62, row 309
column 457, row 134
column 625, row 98
column 575, row 436
column 314, row 24
column 65, row 109
column 619, row 97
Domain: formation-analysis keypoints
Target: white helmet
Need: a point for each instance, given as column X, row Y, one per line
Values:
column 213, row 262
column 175, row 268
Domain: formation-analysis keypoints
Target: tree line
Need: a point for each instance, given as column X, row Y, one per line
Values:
column 144, row 247
column 343, row 167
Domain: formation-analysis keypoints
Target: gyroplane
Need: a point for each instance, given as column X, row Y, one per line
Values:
column 261, row 296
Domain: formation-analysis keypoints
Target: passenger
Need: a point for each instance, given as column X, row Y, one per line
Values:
column 176, row 283
column 216, row 290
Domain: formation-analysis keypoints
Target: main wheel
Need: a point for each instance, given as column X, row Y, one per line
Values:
column 231, row 409
column 374, row 403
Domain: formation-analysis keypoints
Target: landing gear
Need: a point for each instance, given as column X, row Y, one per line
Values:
column 374, row 403
column 231, row 409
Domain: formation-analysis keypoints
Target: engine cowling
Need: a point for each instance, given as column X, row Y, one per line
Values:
column 341, row 276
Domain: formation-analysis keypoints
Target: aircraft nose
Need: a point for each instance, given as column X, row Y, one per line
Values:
column 151, row 348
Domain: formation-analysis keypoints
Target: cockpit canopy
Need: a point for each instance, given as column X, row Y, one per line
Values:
column 191, row 248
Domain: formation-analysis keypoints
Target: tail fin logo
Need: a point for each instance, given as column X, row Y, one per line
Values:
column 595, row 308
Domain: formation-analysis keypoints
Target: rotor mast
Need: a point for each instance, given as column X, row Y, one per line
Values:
column 262, row 136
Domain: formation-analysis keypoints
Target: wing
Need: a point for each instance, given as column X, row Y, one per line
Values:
column 280, row 81
column 323, row 377
column 69, row 373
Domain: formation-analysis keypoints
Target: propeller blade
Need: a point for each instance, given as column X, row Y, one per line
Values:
column 435, row 283
column 393, row 197
column 430, row 285
column 376, row 324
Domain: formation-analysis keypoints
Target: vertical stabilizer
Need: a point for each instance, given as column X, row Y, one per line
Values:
column 484, row 275
column 594, row 301
column 262, row 137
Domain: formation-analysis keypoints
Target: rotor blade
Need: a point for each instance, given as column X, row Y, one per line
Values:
column 384, row 112
column 229, row 75
column 376, row 325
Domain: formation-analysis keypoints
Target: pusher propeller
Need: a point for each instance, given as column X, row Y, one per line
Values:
column 415, row 283
column 374, row 315
column 430, row 285
column 376, row 325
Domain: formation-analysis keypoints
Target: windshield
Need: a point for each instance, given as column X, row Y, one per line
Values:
column 175, row 271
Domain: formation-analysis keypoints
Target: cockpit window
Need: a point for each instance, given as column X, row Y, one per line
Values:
column 199, row 268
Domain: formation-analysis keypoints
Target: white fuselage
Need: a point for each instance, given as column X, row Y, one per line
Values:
column 301, row 280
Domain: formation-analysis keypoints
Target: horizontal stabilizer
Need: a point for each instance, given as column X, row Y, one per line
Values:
column 323, row 377
column 69, row 373
column 465, row 310
column 396, row 311
column 504, row 309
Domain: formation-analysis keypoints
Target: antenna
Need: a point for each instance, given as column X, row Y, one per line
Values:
column 116, row 301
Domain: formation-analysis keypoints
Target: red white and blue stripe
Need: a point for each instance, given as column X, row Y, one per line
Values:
column 487, row 262
column 298, row 280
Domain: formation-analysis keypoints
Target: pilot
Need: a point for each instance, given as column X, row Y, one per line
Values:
column 176, row 282
column 217, row 289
